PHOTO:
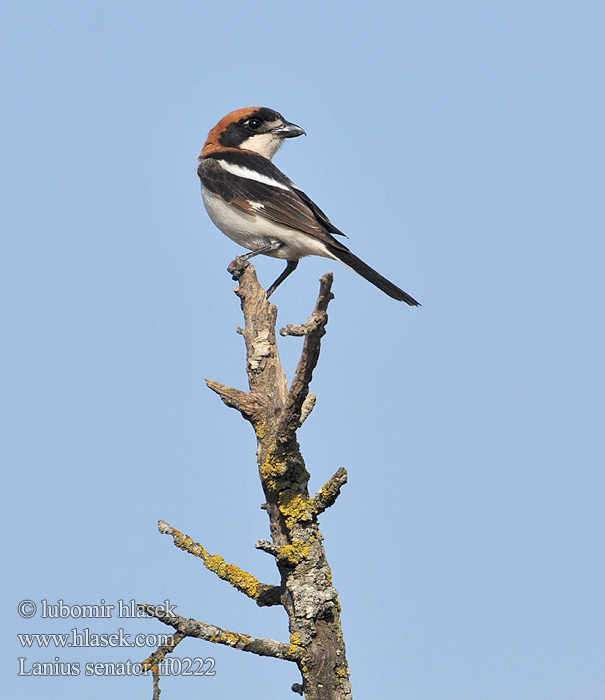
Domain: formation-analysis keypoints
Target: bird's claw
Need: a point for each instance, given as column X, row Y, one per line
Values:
column 236, row 267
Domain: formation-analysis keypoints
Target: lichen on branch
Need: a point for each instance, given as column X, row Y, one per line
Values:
column 276, row 411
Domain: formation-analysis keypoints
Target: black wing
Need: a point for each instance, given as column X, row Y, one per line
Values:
column 281, row 202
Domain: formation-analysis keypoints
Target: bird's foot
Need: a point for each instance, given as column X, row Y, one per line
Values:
column 236, row 267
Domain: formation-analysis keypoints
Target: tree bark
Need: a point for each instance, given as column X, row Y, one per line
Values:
column 276, row 411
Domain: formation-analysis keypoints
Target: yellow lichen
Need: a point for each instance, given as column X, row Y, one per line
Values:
column 185, row 543
column 270, row 470
column 217, row 564
column 296, row 646
column 295, row 508
column 243, row 581
column 293, row 553
column 238, row 578
column 231, row 639
column 327, row 491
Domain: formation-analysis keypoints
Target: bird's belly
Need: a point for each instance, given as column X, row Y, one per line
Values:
column 254, row 232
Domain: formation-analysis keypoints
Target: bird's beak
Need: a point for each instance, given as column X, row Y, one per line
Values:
column 289, row 131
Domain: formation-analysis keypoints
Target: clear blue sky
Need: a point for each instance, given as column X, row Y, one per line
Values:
column 461, row 147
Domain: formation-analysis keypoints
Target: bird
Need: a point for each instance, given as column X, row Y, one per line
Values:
column 253, row 203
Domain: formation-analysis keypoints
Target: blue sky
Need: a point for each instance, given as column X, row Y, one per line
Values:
column 460, row 145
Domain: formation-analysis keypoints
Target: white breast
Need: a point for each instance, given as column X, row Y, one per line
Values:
column 253, row 231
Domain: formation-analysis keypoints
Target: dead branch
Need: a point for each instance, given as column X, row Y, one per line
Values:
column 276, row 412
column 188, row 627
column 151, row 663
column 234, row 398
column 314, row 330
column 329, row 492
column 156, row 684
column 244, row 582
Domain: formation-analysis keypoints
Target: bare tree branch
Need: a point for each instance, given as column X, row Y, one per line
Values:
column 329, row 492
column 151, row 663
column 156, row 685
column 266, row 546
column 276, row 412
column 313, row 331
column 189, row 627
column 234, row 398
column 262, row 593
column 265, row 372
column 306, row 408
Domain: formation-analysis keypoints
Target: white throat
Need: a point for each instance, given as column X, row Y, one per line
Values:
column 266, row 145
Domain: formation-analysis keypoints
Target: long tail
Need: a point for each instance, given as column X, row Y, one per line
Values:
column 372, row 276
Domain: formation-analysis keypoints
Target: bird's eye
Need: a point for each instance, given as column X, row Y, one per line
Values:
column 254, row 124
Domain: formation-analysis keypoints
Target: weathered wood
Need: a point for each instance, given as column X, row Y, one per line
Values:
column 276, row 412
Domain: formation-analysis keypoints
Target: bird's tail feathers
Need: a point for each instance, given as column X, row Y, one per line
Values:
column 355, row 263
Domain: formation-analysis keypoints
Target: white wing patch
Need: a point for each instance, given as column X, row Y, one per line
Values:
column 240, row 171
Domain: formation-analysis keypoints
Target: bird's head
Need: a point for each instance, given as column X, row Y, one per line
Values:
column 257, row 129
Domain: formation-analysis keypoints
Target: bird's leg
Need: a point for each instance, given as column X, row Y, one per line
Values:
column 291, row 265
column 265, row 249
column 237, row 266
